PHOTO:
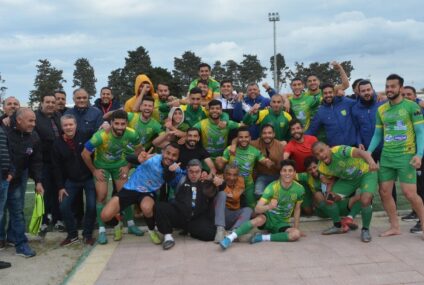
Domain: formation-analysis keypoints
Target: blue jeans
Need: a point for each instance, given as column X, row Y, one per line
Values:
column 66, row 207
column 262, row 181
column 15, row 206
column 3, row 199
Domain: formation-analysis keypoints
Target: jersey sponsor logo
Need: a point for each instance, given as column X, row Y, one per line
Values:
column 400, row 138
column 400, row 126
column 388, row 138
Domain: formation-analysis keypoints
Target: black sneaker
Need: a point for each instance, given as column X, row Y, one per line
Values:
column 2, row 244
column 417, row 228
column 168, row 244
column 4, row 264
column 68, row 241
column 411, row 217
column 60, row 227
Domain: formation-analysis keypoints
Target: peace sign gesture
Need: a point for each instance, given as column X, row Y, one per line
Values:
column 143, row 156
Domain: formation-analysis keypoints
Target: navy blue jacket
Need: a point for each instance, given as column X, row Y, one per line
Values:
column 115, row 105
column 336, row 118
column 88, row 119
column 264, row 102
column 364, row 116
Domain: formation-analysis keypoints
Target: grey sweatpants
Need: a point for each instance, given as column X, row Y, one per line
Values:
column 229, row 219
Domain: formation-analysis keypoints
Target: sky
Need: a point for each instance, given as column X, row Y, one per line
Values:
column 379, row 37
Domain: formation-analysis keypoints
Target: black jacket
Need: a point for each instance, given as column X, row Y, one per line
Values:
column 68, row 163
column 114, row 106
column 25, row 151
column 44, row 128
column 184, row 197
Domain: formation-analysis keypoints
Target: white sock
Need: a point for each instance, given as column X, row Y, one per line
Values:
column 266, row 237
column 168, row 237
column 102, row 230
column 130, row 223
column 232, row 236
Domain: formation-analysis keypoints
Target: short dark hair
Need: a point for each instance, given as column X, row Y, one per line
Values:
column 312, row 74
column 286, row 162
column 163, row 83
column 364, row 82
column 296, row 79
column 204, row 65
column 317, row 144
column 410, row 88
column 226, row 81
column 60, row 91
column 396, row 77
column 148, row 98
column 267, row 126
column 172, row 144
column 47, row 95
column 205, row 82
column 294, row 122
column 192, row 129
column 327, row 85
column 119, row 114
column 243, row 129
column 195, row 90
column 309, row 160
column 214, row 102
column 356, row 82
column 107, row 88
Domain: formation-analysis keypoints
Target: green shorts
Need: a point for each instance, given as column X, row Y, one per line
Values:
column 367, row 183
column 392, row 168
column 108, row 173
column 307, row 198
column 274, row 224
column 342, row 205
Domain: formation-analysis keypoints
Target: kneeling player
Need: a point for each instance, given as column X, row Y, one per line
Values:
column 279, row 201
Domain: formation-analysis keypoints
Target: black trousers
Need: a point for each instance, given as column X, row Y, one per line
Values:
column 168, row 216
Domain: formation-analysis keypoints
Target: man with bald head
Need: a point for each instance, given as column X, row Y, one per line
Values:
column 26, row 154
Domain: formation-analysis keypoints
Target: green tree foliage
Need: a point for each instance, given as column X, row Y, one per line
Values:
column 218, row 71
column 186, row 69
column 283, row 71
column 84, row 76
column 162, row 75
column 2, row 88
column 324, row 71
column 251, row 70
column 232, row 72
column 122, row 80
column 47, row 80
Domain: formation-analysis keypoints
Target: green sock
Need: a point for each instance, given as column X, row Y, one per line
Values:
column 331, row 211
column 356, row 208
column 366, row 216
column 280, row 237
column 99, row 208
column 128, row 213
column 244, row 228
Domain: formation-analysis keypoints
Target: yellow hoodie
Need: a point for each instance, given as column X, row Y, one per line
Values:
column 138, row 80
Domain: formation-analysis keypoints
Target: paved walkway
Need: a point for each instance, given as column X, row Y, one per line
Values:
column 316, row 259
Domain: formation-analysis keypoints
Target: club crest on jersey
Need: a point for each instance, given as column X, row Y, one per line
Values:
column 343, row 112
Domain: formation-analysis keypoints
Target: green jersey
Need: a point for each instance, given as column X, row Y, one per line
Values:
column 279, row 121
column 109, row 150
column 287, row 198
column 214, row 139
column 146, row 130
column 343, row 165
column 303, row 107
column 306, row 179
column 191, row 116
column 163, row 109
column 212, row 85
column 318, row 97
column 398, row 123
column 245, row 159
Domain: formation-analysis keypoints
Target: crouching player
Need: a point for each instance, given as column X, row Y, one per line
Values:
column 280, row 200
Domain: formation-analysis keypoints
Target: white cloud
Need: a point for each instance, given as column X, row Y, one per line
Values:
column 222, row 51
column 22, row 42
